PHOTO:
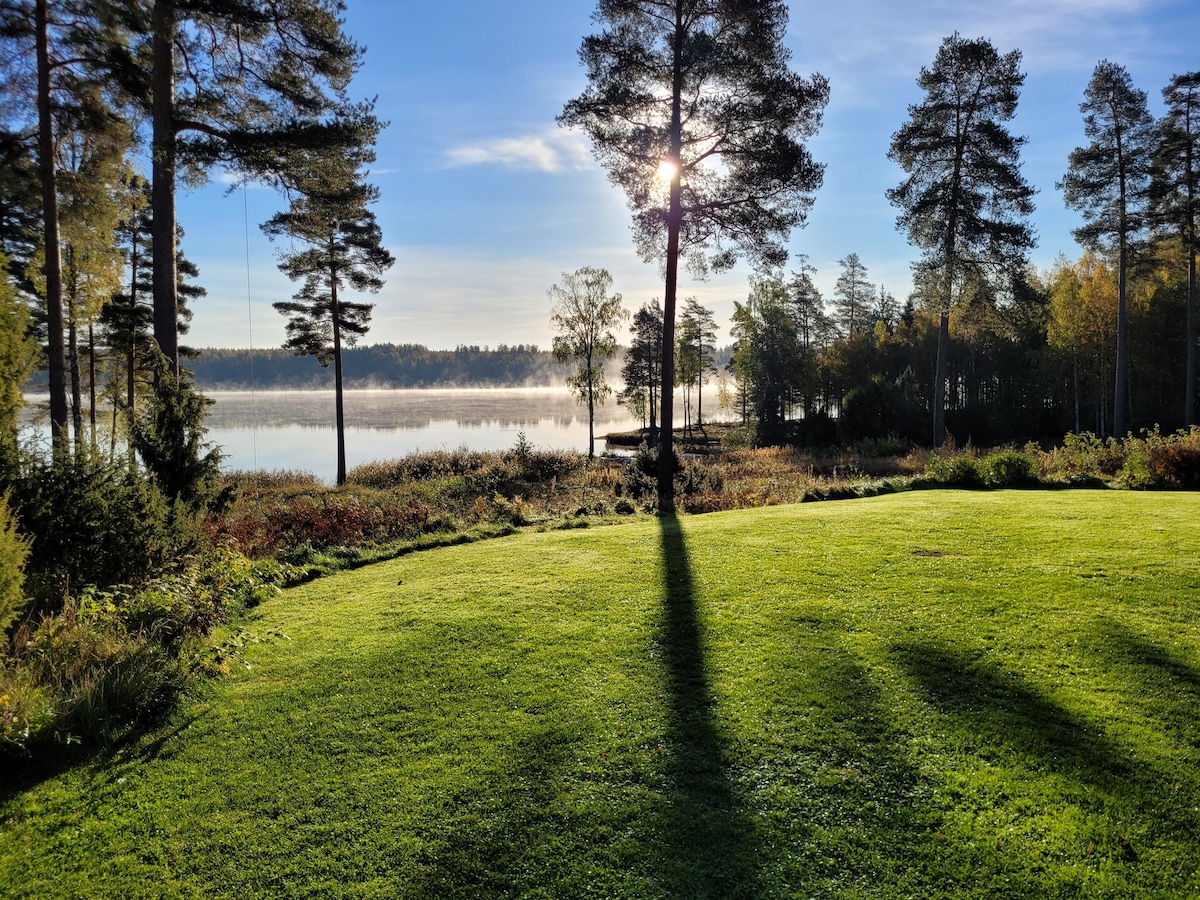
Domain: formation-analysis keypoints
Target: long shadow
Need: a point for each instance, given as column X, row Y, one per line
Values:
column 709, row 841
column 1001, row 710
column 140, row 743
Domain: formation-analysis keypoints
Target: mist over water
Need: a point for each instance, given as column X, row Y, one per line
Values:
column 273, row 430
column 295, row 429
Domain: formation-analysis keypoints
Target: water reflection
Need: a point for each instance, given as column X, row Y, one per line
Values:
column 409, row 409
column 294, row 429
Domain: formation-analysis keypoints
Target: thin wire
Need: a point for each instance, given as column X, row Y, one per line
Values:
column 250, row 332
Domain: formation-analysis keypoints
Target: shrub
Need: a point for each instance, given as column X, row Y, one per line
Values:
column 695, row 478
column 1085, row 454
column 169, row 437
column 641, row 475
column 1007, row 468
column 1175, row 459
column 961, row 470
column 109, row 660
column 94, row 522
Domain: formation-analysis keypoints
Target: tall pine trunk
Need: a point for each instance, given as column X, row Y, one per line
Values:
column 76, row 392
column 1190, row 393
column 591, row 400
column 162, row 197
column 1120, row 386
column 666, row 451
column 55, row 351
column 939, row 379
column 339, row 409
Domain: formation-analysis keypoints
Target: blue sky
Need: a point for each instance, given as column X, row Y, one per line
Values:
column 485, row 201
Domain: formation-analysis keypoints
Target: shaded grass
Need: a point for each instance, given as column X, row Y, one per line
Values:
column 921, row 695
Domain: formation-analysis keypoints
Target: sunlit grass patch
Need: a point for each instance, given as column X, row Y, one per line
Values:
column 930, row 694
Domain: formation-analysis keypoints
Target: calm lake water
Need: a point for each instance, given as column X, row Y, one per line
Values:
column 271, row 430
column 294, row 429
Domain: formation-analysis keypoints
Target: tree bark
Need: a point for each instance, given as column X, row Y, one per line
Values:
column 591, row 398
column 339, row 411
column 76, row 392
column 1119, row 388
column 162, row 197
column 1190, row 394
column 55, row 351
column 939, row 380
column 92, row 383
column 666, row 451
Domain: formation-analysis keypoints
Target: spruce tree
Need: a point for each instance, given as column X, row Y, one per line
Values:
column 1109, row 182
column 642, row 360
column 964, row 201
column 697, row 347
column 692, row 109
column 852, row 296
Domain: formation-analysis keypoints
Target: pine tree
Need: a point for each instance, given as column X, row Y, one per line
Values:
column 692, row 109
column 814, row 327
column 64, row 43
column 18, row 357
column 127, row 320
column 265, row 90
column 885, row 309
column 1108, row 182
column 344, row 249
column 964, row 202
column 767, row 358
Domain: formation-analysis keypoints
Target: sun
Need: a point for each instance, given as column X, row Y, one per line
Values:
column 667, row 170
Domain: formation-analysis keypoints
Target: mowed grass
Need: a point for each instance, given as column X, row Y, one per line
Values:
column 934, row 694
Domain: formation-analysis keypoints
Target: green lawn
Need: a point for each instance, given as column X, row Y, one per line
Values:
column 932, row 694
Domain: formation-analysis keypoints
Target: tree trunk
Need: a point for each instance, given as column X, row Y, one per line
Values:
column 666, row 452
column 76, row 393
column 1189, row 404
column 55, row 352
column 92, row 382
column 1120, row 387
column 591, row 400
column 653, row 411
column 162, row 196
column 1075, row 373
column 939, row 380
column 339, row 412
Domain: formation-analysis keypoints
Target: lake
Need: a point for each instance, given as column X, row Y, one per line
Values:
column 271, row 430
column 294, row 429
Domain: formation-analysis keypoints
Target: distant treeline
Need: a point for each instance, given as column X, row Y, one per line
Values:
column 380, row 365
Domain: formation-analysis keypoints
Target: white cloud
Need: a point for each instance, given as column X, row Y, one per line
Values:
column 549, row 150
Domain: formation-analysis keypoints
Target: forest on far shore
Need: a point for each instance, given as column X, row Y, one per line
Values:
column 379, row 366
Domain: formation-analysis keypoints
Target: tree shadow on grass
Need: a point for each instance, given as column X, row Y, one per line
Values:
column 136, row 745
column 1175, row 677
column 709, row 842
column 1000, row 710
